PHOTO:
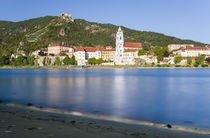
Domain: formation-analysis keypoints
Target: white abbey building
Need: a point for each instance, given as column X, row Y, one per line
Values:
column 126, row 52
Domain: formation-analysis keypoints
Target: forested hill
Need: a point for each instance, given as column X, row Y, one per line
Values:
column 30, row 35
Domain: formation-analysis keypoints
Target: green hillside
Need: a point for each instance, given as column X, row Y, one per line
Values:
column 34, row 36
column 39, row 32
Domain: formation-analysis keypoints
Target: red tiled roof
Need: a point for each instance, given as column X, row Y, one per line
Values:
column 91, row 49
column 133, row 45
column 196, row 48
column 101, row 48
column 87, row 49
column 130, row 50
column 80, row 49
column 113, row 49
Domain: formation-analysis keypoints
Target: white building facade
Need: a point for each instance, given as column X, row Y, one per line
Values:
column 173, row 47
column 82, row 54
column 91, row 52
column 129, row 56
column 195, row 51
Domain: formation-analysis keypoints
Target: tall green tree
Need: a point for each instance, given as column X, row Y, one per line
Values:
column 66, row 60
column 73, row 61
column 146, row 47
column 92, row 61
column 4, row 60
column 25, row 61
column 200, row 59
column 99, row 61
column 31, row 60
column 49, row 61
column 189, row 60
column 20, row 60
column 178, row 59
column 141, row 52
column 58, row 61
column 44, row 61
column 12, row 62
column 159, row 52
column 166, row 52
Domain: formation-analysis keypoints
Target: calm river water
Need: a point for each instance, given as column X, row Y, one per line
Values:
column 174, row 96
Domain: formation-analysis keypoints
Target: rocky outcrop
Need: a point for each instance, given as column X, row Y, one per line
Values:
column 66, row 17
column 62, row 32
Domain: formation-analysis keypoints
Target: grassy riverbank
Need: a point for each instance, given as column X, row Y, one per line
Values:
column 24, row 122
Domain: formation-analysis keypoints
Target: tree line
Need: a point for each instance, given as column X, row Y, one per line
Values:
column 32, row 61
column 19, row 61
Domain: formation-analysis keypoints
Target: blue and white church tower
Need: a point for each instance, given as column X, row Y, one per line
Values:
column 119, row 46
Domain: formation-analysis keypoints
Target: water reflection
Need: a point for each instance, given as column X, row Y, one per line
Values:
column 176, row 96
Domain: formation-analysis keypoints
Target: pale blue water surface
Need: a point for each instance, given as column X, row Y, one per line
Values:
column 174, row 96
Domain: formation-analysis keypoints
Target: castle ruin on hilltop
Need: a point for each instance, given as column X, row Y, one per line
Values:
column 67, row 17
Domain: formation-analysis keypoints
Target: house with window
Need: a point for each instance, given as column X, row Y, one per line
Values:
column 57, row 48
column 82, row 54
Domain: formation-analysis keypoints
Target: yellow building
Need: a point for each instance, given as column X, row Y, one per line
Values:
column 107, row 54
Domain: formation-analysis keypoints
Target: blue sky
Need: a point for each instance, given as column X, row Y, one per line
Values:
column 186, row 19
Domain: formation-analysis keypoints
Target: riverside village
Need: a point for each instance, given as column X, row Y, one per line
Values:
column 118, row 69
column 124, row 53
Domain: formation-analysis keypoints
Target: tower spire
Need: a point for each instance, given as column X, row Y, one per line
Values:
column 119, row 29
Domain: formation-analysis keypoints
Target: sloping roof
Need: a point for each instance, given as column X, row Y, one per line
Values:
column 133, row 45
column 80, row 49
column 113, row 49
column 101, row 48
column 87, row 49
column 91, row 49
column 197, row 48
column 104, row 49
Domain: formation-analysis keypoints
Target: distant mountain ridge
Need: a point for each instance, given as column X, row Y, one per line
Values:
column 30, row 35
